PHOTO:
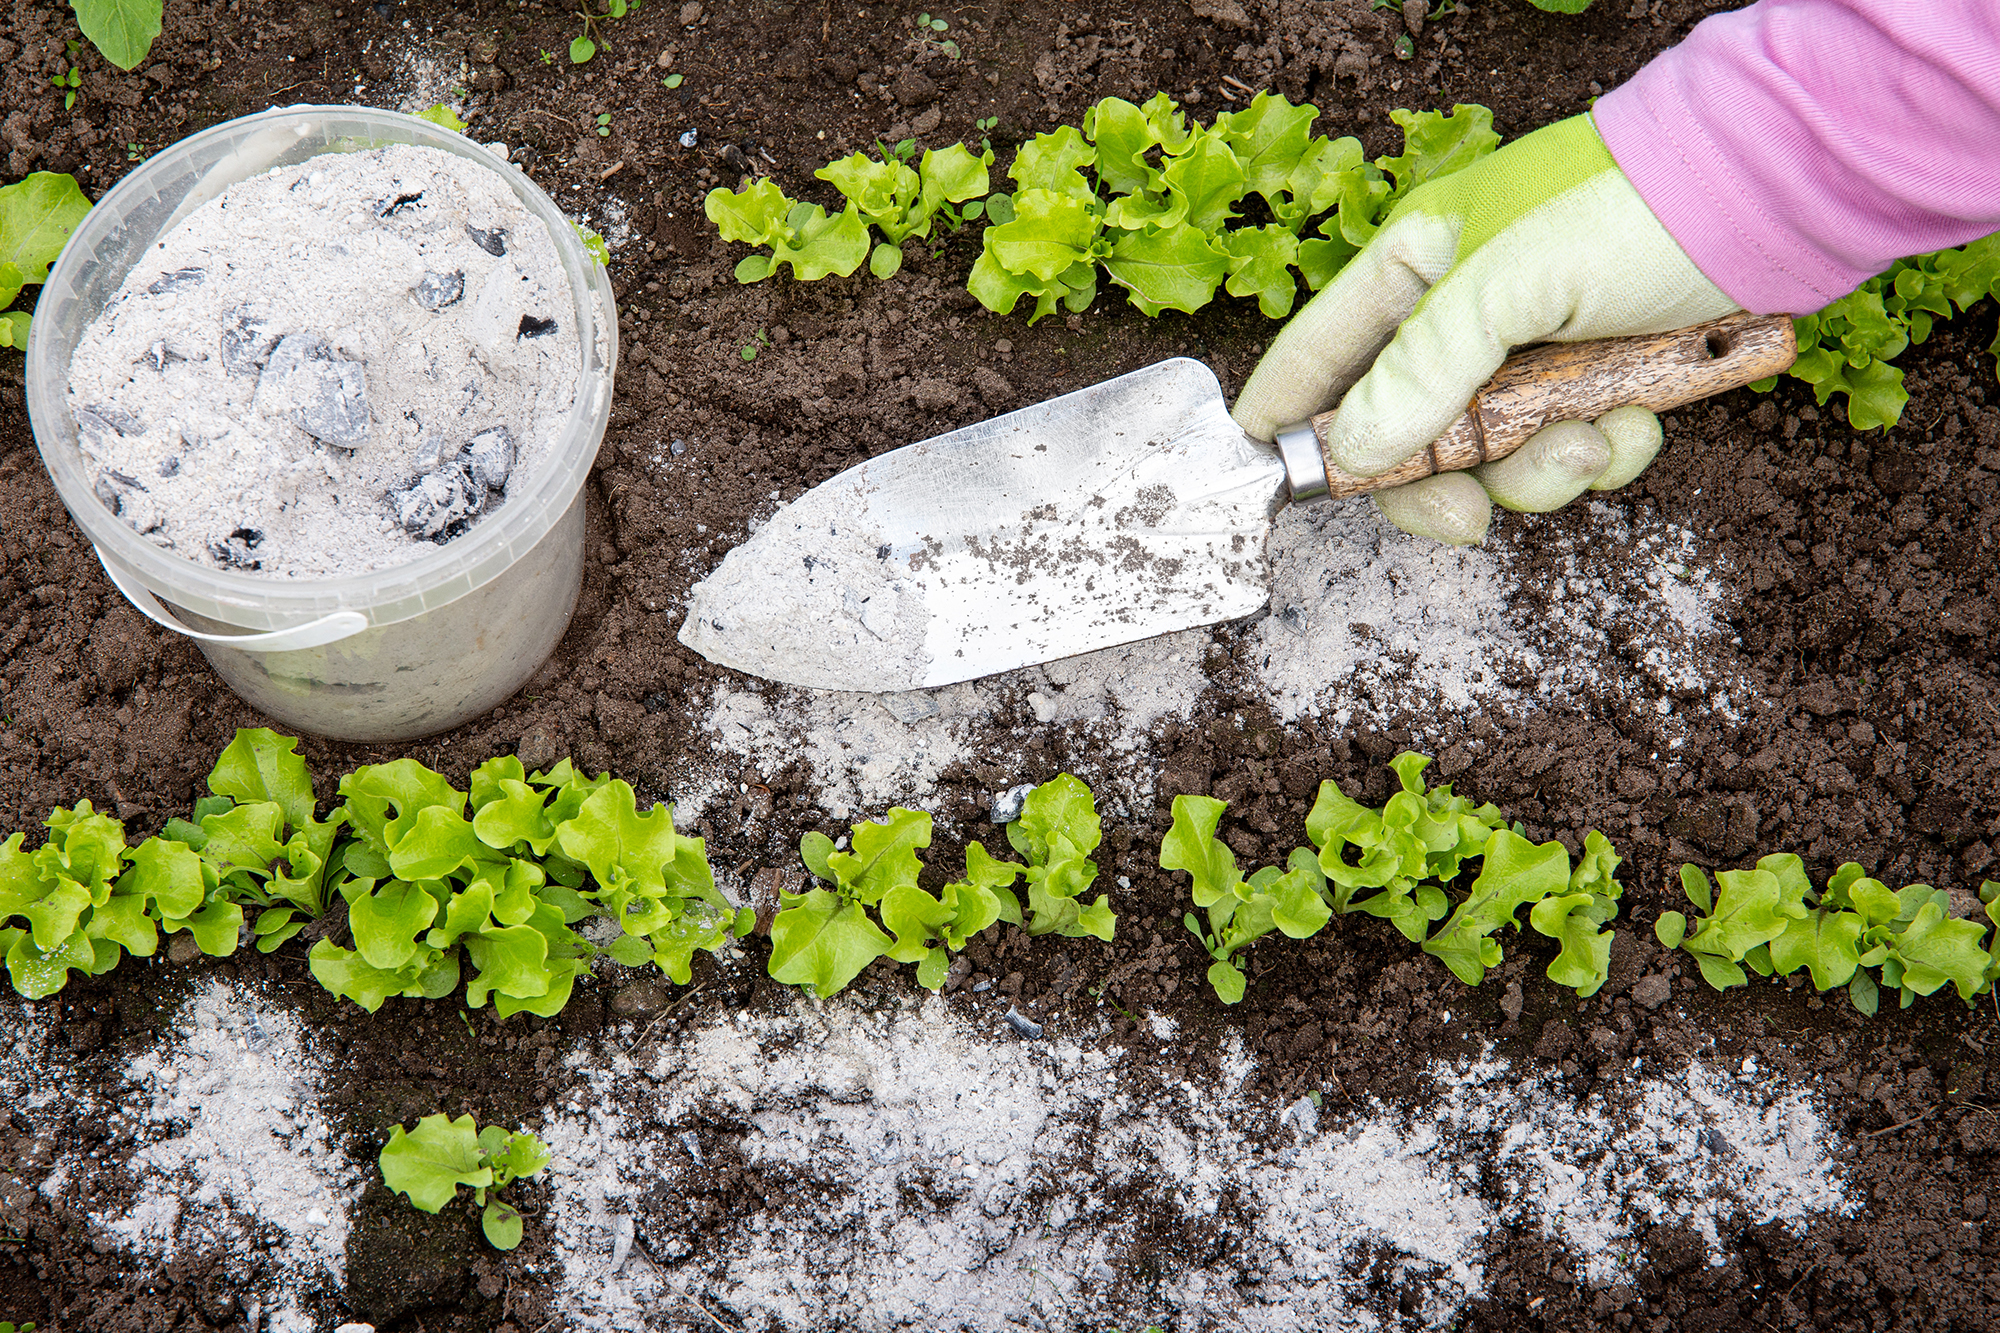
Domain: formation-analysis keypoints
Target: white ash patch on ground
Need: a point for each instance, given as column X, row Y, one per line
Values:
column 1367, row 622
column 611, row 219
column 925, row 1169
column 217, row 1146
column 870, row 751
column 426, row 74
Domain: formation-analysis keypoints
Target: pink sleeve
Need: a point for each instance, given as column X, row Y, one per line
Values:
column 1798, row 147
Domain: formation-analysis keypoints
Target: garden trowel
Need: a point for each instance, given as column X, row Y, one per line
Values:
column 1128, row 509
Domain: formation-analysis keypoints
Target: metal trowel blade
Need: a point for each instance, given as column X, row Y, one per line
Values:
column 1125, row 510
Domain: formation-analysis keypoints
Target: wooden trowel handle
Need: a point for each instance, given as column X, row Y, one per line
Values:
column 1583, row 381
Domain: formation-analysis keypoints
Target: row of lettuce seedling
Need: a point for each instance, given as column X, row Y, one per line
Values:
column 485, row 887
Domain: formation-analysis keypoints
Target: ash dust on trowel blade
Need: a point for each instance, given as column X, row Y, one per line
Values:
column 812, row 600
column 824, row 1167
column 1131, row 509
column 216, row 1151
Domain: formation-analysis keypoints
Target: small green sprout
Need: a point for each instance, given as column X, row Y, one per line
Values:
column 985, row 126
column 135, row 152
column 548, row 56
column 603, row 124
column 749, row 352
column 69, row 82
column 926, row 25
column 584, row 46
column 671, row 81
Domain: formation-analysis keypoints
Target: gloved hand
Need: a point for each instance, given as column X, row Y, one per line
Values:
column 1544, row 240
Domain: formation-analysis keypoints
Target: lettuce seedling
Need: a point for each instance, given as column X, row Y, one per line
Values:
column 1418, row 835
column 900, row 202
column 1396, row 863
column 37, row 215
column 428, row 1164
column 257, row 832
column 68, row 892
column 1847, row 346
column 1158, row 216
column 425, row 885
column 1514, row 873
column 1056, row 832
column 1240, row 911
column 1748, row 910
column 1855, row 924
column 799, row 234
column 824, row 937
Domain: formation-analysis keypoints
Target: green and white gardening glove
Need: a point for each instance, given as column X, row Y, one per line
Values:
column 1545, row 240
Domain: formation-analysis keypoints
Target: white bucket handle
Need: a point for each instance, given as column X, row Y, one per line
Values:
column 313, row 634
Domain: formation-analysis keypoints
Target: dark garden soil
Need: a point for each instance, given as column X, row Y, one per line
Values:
column 1865, row 601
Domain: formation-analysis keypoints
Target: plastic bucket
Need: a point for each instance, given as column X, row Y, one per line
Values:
column 402, row 652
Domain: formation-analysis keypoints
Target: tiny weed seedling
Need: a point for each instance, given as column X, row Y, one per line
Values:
column 985, row 125
column 69, row 82
column 749, row 352
column 604, row 124
column 585, row 44
column 594, row 246
column 135, row 152
column 547, row 57
column 428, row 1165
column 930, row 30
column 6, row 1327
column 671, row 81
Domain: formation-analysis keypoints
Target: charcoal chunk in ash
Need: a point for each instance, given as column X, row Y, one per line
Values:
column 490, row 457
column 159, row 356
column 236, row 551
column 112, row 487
column 532, row 327
column 439, row 505
column 247, row 341
column 323, row 395
column 438, row 290
column 178, row 280
column 389, row 208
column 492, row 242
column 102, row 419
